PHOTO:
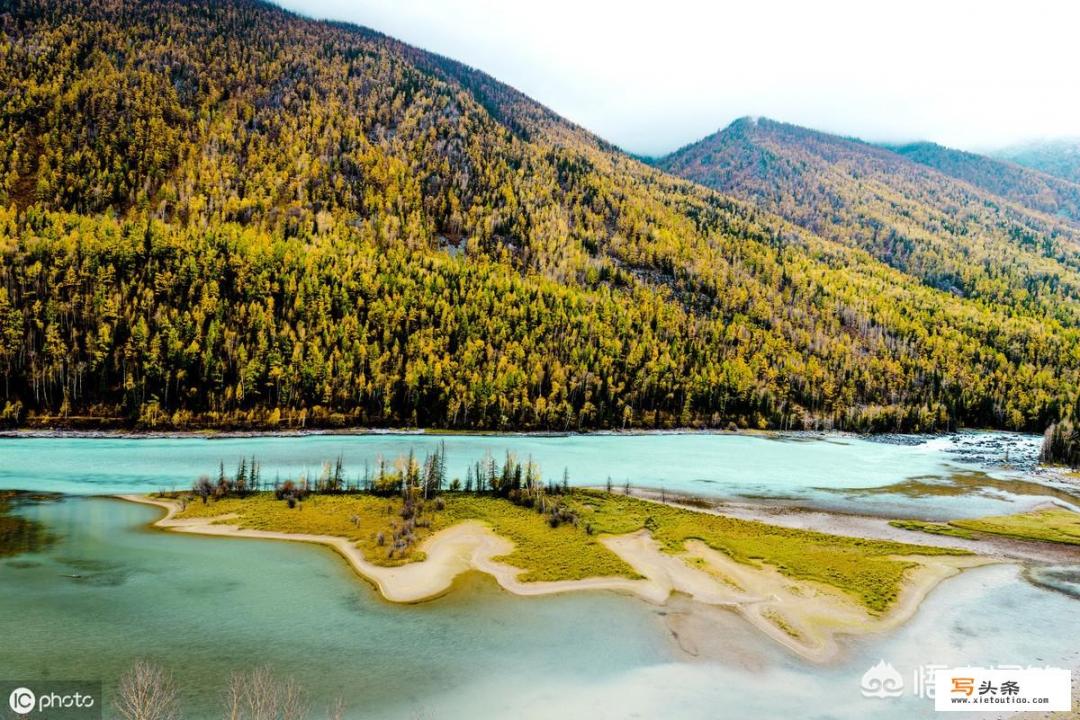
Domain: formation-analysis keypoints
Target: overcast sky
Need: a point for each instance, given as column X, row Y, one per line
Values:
column 652, row 77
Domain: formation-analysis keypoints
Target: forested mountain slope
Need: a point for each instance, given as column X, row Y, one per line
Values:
column 220, row 214
column 1024, row 186
column 1060, row 158
column 948, row 233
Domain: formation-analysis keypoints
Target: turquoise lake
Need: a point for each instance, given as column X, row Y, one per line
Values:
column 205, row 607
column 824, row 470
column 97, row 587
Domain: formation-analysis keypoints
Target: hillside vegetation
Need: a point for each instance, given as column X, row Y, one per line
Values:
column 223, row 215
column 949, row 234
column 1053, row 157
column 1024, row 186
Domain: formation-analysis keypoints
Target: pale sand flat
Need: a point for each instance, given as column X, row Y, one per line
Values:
column 465, row 546
column 807, row 616
column 804, row 616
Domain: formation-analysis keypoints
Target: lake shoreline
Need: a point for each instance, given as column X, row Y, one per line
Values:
column 819, row 469
column 805, row 617
column 127, row 433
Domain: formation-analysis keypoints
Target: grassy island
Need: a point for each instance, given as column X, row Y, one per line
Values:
column 1050, row 525
column 543, row 552
column 1056, row 525
column 557, row 533
column 409, row 531
column 867, row 569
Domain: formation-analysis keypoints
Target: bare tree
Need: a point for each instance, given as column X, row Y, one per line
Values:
column 293, row 704
column 262, row 699
column 258, row 695
column 336, row 710
column 147, row 692
column 235, row 697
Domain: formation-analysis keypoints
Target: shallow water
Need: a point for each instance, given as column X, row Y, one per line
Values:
column 812, row 469
column 984, row 617
column 208, row 606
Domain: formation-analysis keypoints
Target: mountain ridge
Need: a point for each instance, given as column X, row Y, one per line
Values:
column 906, row 213
column 225, row 215
column 1026, row 186
column 1060, row 158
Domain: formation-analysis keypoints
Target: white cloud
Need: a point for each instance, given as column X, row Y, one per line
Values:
column 653, row 76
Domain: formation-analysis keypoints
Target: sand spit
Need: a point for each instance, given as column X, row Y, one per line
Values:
column 807, row 617
column 873, row 527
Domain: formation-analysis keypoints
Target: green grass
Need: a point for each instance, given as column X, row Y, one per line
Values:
column 933, row 528
column 543, row 552
column 325, row 515
column 1051, row 525
column 862, row 568
column 859, row 567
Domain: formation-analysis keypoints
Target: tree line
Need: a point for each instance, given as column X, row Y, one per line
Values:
column 420, row 486
column 226, row 216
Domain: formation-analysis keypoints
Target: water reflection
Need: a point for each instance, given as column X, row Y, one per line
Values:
column 19, row 535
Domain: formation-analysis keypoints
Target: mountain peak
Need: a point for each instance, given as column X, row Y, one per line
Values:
column 222, row 214
column 914, row 206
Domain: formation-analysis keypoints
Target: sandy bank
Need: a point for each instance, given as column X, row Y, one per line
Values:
column 804, row 616
column 448, row 553
column 807, row 617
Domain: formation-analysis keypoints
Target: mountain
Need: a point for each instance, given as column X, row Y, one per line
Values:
column 225, row 215
column 1060, row 158
column 1023, row 186
column 950, row 234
